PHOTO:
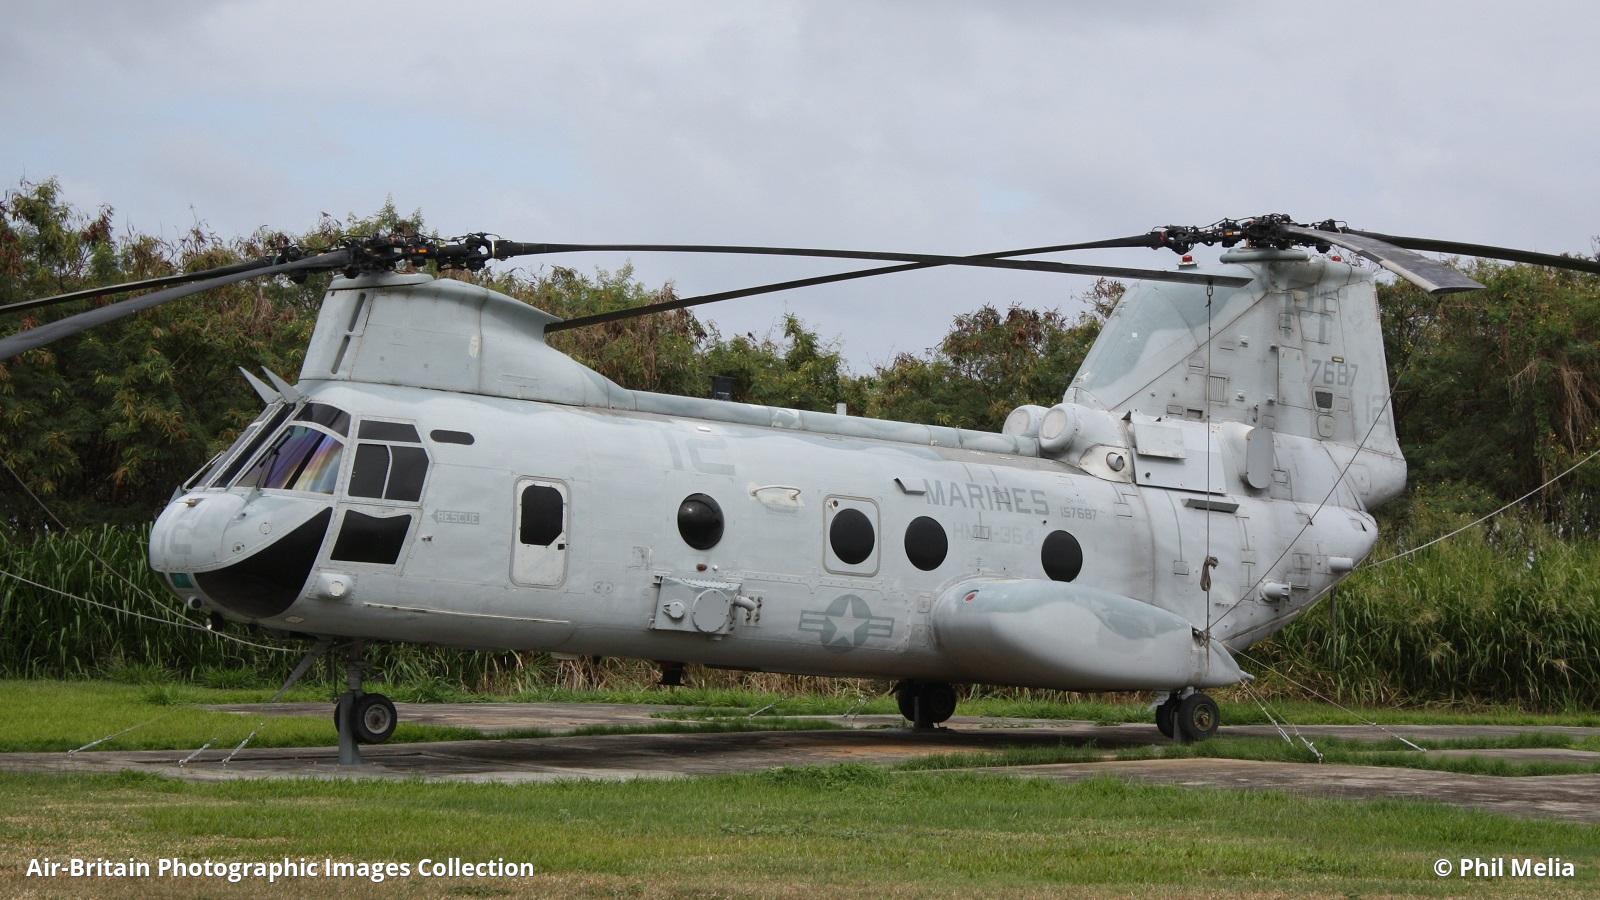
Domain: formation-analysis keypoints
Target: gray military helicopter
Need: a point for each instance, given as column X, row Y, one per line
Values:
column 439, row 474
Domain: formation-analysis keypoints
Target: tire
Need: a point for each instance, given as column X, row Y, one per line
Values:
column 906, row 698
column 940, row 702
column 373, row 718
column 1198, row 718
column 1166, row 718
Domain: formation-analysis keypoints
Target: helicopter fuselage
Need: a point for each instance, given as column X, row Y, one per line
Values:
column 442, row 475
column 535, row 526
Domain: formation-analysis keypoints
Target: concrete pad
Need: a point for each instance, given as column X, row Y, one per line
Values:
column 1567, row 797
column 543, row 759
column 875, row 739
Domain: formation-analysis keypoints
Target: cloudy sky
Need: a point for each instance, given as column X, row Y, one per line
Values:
column 939, row 127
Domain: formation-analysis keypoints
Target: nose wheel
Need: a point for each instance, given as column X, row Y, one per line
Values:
column 1188, row 719
column 926, row 703
column 371, row 719
column 361, row 718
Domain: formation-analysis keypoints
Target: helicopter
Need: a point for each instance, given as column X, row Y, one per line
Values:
column 439, row 474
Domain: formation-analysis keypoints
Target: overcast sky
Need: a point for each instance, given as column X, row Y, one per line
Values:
column 936, row 127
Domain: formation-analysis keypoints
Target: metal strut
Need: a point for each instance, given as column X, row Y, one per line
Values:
column 354, row 671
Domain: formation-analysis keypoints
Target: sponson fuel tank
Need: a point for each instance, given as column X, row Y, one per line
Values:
column 1035, row 633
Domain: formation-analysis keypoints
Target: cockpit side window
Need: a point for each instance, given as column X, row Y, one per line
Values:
column 335, row 420
column 388, row 471
column 303, row 458
column 372, row 429
column 370, row 472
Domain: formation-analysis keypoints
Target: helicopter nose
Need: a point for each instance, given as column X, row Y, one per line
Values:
column 187, row 534
column 249, row 556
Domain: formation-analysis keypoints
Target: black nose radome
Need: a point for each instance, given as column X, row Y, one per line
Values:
column 268, row 582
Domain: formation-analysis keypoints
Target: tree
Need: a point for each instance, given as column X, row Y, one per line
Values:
column 649, row 353
column 1501, row 387
column 103, row 425
column 800, row 372
column 990, row 363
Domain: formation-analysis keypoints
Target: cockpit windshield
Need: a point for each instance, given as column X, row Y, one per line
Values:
column 218, row 470
column 302, row 458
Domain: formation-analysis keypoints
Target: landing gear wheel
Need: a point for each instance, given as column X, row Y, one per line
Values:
column 937, row 699
column 1197, row 718
column 905, row 697
column 373, row 718
column 1166, row 717
column 940, row 702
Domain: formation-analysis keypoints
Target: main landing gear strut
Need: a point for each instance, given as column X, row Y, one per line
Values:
column 361, row 718
column 925, row 703
column 1188, row 717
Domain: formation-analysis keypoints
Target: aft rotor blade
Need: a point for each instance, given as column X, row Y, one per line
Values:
column 686, row 302
column 49, row 332
column 1430, row 275
column 504, row 250
column 1509, row 254
column 146, row 284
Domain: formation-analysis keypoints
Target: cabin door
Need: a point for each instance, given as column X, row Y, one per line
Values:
column 542, row 522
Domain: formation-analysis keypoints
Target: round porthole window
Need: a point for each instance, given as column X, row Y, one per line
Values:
column 1062, row 556
column 926, row 543
column 851, row 536
column 700, row 521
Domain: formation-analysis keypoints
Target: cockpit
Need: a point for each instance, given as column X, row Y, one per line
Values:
column 246, row 530
column 306, row 456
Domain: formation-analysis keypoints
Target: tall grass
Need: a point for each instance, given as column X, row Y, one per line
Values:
column 1503, row 615
column 44, row 634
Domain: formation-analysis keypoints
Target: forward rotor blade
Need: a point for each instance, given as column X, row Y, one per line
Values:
column 146, row 284
column 504, row 250
column 1509, row 254
column 686, row 302
column 49, row 332
column 1430, row 275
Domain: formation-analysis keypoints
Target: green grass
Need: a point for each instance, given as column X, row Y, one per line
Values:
column 1389, row 752
column 845, row 830
column 64, row 715
column 45, row 715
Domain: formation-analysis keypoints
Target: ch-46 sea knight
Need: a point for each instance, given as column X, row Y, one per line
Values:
column 439, row 474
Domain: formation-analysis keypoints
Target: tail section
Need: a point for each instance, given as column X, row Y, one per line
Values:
column 1297, row 354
